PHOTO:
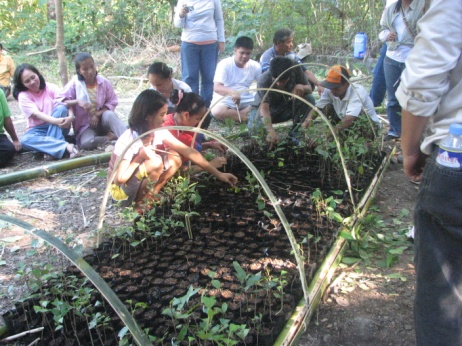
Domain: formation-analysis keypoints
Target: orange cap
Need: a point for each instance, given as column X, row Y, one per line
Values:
column 334, row 77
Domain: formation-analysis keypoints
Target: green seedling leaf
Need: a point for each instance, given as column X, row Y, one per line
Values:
column 346, row 235
column 397, row 251
column 404, row 213
column 350, row 260
column 363, row 254
column 391, row 259
column 209, row 302
column 216, row 284
column 102, row 174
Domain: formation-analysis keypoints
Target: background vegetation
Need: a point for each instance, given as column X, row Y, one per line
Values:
column 329, row 24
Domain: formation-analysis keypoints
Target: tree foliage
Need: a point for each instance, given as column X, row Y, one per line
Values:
column 329, row 24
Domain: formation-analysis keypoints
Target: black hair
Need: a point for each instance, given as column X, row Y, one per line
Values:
column 244, row 42
column 18, row 85
column 78, row 59
column 279, row 65
column 147, row 103
column 190, row 102
column 161, row 69
column 282, row 34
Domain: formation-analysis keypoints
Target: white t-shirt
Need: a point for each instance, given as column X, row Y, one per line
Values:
column 237, row 78
column 351, row 104
column 128, row 136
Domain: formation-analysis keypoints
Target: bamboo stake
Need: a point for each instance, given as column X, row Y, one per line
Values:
column 45, row 171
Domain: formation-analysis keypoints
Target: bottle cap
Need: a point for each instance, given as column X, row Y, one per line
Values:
column 455, row 129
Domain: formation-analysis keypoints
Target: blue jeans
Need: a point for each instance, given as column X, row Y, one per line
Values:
column 199, row 60
column 393, row 70
column 379, row 86
column 47, row 138
column 438, row 257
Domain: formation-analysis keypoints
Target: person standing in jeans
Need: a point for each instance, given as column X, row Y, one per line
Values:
column 429, row 93
column 399, row 23
column 379, row 86
column 202, row 39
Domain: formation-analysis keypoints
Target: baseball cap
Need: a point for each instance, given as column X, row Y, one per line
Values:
column 334, row 77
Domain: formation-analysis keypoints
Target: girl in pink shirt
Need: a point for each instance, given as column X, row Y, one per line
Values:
column 47, row 124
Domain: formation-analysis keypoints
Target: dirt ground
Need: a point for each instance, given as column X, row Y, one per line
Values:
column 362, row 307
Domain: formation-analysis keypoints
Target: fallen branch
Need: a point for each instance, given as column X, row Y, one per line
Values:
column 28, row 215
column 142, row 79
column 40, row 52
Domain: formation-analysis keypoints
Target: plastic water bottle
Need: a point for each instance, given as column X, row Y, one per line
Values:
column 450, row 150
column 360, row 45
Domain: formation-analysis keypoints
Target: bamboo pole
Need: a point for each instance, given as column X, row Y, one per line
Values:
column 45, row 171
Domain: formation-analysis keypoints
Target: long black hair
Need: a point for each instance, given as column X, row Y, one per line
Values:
column 18, row 85
column 147, row 103
column 78, row 59
column 190, row 102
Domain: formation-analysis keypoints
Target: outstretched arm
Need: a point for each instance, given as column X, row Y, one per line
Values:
column 196, row 157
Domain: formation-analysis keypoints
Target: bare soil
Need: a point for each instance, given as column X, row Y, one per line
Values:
column 365, row 307
column 362, row 308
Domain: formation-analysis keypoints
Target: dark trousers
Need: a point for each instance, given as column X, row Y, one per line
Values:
column 438, row 257
column 6, row 150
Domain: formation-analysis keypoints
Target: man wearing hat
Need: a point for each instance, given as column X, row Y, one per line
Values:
column 348, row 100
column 276, row 107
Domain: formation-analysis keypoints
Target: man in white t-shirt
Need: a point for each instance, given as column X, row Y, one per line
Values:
column 233, row 78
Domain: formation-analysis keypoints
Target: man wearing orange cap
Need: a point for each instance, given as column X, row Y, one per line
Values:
column 349, row 100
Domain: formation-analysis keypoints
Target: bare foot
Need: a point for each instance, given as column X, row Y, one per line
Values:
column 111, row 136
column 72, row 150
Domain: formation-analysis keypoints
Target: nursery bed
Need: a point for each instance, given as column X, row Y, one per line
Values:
column 231, row 227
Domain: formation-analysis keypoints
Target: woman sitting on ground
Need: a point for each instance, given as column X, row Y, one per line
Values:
column 144, row 168
column 161, row 79
column 47, row 124
column 190, row 109
column 93, row 100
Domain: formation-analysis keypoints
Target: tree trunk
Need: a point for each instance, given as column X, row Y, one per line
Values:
column 60, row 42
